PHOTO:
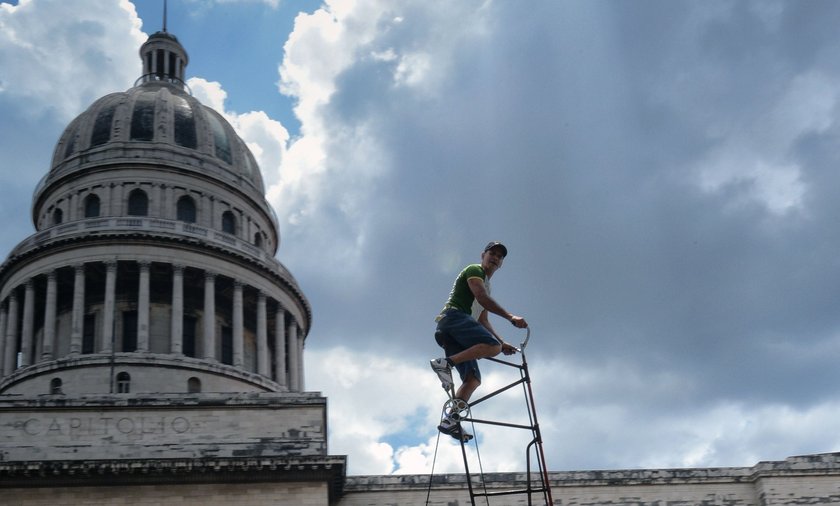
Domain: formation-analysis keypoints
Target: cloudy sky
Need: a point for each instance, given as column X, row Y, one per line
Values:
column 663, row 173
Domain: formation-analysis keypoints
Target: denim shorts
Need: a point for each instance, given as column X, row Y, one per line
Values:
column 457, row 331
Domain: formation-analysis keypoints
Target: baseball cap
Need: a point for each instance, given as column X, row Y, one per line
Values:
column 493, row 244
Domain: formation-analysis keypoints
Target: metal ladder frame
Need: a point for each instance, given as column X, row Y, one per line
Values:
column 535, row 445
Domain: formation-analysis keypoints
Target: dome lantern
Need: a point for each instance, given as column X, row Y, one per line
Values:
column 164, row 59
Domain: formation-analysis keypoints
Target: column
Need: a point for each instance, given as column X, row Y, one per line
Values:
column 117, row 204
column 177, row 316
column 301, row 371
column 108, row 310
column 71, row 208
column 169, row 212
column 143, row 308
column 3, row 315
column 28, row 335
column 238, row 338
column 262, row 337
column 205, row 215
column 209, row 315
column 49, row 317
column 294, row 358
column 10, row 358
column 106, row 205
column 156, row 207
column 78, row 324
column 75, row 203
column 280, row 347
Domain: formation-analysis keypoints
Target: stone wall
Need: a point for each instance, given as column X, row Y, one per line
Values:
column 813, row 479
column 162, row 427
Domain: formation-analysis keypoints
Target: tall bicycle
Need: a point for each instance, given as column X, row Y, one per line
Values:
column 536, row 481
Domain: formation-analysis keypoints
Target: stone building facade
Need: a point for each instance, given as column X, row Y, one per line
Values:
column 151, row 345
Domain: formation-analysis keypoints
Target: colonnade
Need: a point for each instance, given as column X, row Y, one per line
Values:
column 31, row 329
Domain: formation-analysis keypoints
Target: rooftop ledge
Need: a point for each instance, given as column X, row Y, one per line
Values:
column 136, row 359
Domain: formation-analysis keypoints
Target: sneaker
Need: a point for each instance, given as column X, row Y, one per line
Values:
column 444, row 372
column 454, row 429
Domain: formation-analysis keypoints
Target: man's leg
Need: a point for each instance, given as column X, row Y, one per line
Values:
column 451, row 422
column 467, row 388
column 476, row 351
column 463, row 339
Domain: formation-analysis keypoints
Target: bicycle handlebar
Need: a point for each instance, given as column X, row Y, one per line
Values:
column 525, row 342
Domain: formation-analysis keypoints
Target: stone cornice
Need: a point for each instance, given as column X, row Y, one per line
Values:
column 167, row 401
column 136, row 359
column 331, row 469
column 827, row 464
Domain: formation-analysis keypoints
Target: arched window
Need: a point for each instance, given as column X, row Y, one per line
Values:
column 102, row 125
column 186, row 209
column 91, row 206
column 193, row 385
column 58, row 217
column 55, row 386
column 138, row 203
column 184, row 122
column 258, row 241
column 229, row 223
column 123, row 383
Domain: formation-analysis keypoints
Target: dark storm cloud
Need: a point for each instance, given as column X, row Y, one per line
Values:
column 636, row 156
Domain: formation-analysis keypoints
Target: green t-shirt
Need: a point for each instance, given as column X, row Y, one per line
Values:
column 461, row 296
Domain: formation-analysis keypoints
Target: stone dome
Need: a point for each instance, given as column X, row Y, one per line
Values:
column 158, row 121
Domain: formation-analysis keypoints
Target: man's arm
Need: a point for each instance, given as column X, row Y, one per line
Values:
column 489, row 304
column 507, row 349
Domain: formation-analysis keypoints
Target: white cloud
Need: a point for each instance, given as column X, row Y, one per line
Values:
column 777, row 186
column 413, row 68
column 372, row 401
column 334, row 176
column 759, row 154
column 63, row 55
column 265, row 137
column 209, row 93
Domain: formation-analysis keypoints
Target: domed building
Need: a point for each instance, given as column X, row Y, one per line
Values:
column 154, row 247
column 147, row 332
